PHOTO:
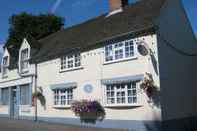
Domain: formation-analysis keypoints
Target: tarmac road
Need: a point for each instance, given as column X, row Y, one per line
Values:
column 24, row 125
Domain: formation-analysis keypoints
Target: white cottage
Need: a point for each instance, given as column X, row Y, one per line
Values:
column 106, row 59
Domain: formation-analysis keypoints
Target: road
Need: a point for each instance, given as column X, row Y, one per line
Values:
column 24, row 125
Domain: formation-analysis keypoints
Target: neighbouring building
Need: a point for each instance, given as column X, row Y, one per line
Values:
column 106, row 59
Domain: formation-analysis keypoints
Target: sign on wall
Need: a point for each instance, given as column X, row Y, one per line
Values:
column 88, row 88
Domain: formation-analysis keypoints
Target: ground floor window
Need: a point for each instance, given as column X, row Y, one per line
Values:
column 4, row 96
column 24, row 95
column 124, row 93
column 63, row 97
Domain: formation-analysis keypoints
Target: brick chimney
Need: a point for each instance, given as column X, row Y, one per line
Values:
column 117, row 4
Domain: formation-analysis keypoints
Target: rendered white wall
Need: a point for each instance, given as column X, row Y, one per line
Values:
column 93, row 71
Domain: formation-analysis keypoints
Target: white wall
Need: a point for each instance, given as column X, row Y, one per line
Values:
column 92, row 72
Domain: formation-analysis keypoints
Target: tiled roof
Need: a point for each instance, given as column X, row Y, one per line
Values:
column 136, row 17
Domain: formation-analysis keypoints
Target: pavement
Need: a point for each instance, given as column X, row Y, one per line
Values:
column 25, row 125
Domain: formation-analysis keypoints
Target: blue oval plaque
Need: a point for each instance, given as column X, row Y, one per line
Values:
column 88, row 88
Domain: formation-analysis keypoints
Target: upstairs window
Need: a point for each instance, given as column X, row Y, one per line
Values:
column 5, row 66
column 120, row 51
column 24, row 60
column 70, row 62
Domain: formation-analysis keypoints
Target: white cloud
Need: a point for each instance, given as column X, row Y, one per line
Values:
column 55, row 6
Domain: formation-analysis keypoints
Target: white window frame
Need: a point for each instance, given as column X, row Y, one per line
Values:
column 70, row 62
column 62, row 98
column 23, row 61
column 115, row 49
column 5, row 66
column 126, row 89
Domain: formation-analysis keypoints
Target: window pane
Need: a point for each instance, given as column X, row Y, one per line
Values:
column 70, row 61
column 132, row 93
column 118, row 51
column 110, row 94
column 24, row 54
column 24, row 59
column 63, row 62
column 69, row 96
column 77, row 60
column 129, row 49
column 5, row 61
column 63, row 97
column 109, row 53
column 56, row 97
column 5, row 65
column 120, row 97
column 4, row 96
column 25, row 95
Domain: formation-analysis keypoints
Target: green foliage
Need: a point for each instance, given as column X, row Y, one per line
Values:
column 23, row 24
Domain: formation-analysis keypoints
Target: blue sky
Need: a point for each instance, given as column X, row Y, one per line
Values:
column 74, row 11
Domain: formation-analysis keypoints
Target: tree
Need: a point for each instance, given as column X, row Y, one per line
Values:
column 37, row 26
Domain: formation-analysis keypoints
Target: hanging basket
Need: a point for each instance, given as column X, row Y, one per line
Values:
column 40, row 97
column 148, row 85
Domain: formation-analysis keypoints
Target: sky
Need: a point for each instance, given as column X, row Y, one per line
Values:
column 74, row 11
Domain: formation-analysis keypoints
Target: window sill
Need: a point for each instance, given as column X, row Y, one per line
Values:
column 25, row 105
column 73, row 69
column 25, row 108
column 24, row 71
column 62, row 106
column 123, row 105
column 121, row 60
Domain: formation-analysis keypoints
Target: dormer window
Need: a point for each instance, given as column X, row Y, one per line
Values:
column 71, row 62
column 24, row 62
column 5, row 66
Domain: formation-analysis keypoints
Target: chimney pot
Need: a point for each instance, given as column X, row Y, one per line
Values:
column 117, row 4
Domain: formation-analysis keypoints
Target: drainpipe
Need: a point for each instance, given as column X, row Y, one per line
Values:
column 35, row 88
